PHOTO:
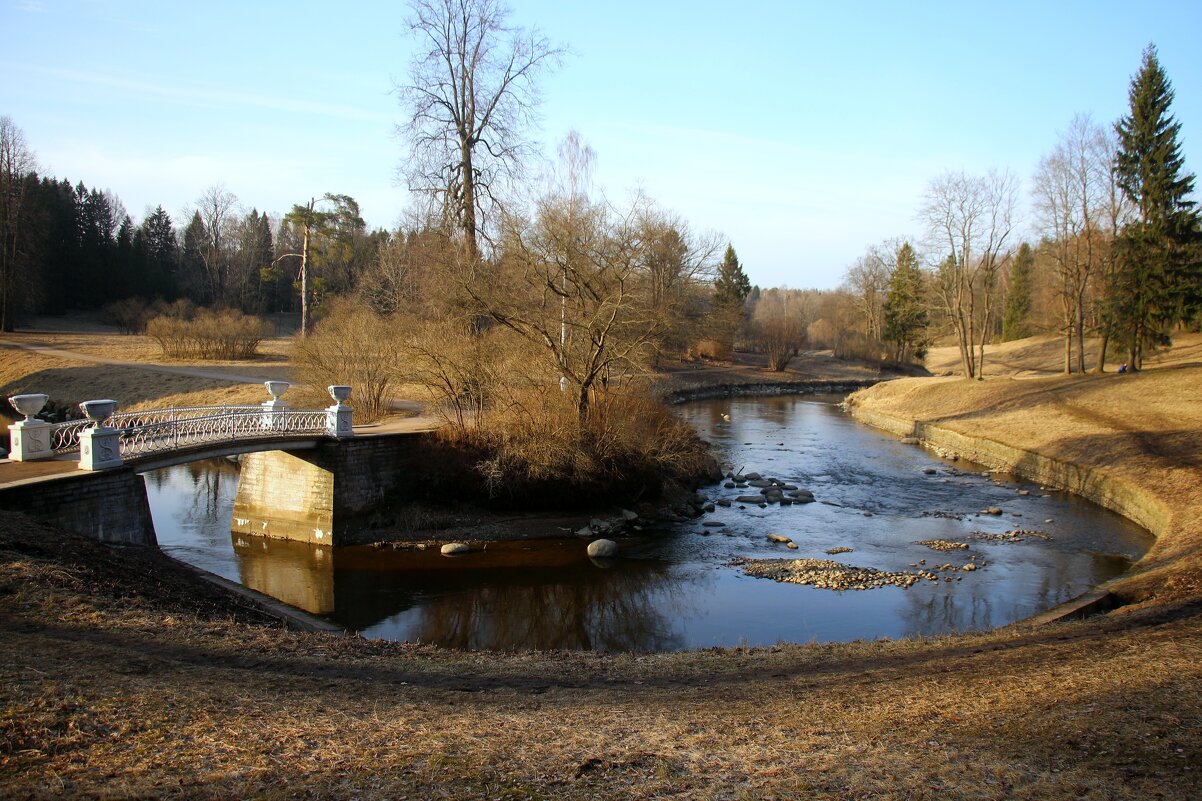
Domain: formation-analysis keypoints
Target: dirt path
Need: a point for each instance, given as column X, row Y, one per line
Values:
column 195, row 372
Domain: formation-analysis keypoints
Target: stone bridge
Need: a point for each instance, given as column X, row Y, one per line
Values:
column 305, row 475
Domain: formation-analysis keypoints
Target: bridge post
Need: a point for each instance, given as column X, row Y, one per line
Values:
column 29, row 439
column 338, row 417
column 100, row 445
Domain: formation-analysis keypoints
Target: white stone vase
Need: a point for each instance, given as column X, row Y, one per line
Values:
column 276, row 388
column 98, row 410
column 29, row 405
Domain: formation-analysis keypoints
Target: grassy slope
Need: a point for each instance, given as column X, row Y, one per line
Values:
column 1141, row 432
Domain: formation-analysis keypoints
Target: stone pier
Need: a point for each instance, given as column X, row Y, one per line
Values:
column 326, row 495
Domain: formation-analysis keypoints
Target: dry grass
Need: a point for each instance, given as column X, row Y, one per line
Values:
column 121, row 676
column 69, row 380
column 116, row 689
column 1044, row 355
column 1142, row 430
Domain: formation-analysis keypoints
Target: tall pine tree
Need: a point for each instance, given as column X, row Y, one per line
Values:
column 905, row 317
column 1157, row 283
column 731, row 286
column 1015, row 319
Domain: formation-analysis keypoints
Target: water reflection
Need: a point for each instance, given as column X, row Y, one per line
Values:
column 678, row 589
column 544, row 595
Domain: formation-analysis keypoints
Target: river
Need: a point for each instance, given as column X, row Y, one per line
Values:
column 680, row 587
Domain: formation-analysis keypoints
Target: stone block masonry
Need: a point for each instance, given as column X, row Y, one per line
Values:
column 327, row 495
column 109, row 506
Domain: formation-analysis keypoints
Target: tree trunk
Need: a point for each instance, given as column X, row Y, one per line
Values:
column 468, row 210
column 304, row 279
column 1101, row 366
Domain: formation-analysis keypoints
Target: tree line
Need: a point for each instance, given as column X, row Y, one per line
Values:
column 1117, row 255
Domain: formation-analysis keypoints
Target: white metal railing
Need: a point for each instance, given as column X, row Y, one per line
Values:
column 157, row 430
column 106, row 440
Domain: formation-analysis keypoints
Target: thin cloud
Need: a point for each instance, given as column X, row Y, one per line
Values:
column 32, row 6
column 217, row 97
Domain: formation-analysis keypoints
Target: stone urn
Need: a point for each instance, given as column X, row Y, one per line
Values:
column 340, row 393
column 29, row 405
column 98, row 410
column 276, row 388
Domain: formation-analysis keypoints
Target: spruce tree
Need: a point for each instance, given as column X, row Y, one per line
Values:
column 906, row 317
column 1157, row 283
column 731, row 286
column 1015, row 319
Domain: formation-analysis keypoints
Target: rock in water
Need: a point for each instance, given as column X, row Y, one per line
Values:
column 454, row 549
column 600, row 549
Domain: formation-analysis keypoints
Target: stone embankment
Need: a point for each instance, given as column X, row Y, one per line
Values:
column 767, row 388
column 1086, row 442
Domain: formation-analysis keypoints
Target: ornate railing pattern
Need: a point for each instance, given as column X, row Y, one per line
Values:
column 159, row 430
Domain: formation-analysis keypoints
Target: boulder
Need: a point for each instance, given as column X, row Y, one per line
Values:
column 454, row 549
column 602, row 549
column 752, row 477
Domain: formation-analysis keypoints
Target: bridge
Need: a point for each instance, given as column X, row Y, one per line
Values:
column 305, row 476
column 105, row 439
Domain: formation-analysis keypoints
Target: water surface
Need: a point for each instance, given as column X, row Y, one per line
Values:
column 676, row 588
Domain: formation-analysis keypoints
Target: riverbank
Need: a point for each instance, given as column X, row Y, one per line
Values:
column 1128, row 442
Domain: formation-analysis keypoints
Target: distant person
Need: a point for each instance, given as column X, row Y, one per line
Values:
column 1123, row 367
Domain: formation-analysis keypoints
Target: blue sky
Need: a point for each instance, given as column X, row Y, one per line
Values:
column 802, row 132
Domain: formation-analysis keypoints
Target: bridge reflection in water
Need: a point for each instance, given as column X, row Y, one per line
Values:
column 544, row 594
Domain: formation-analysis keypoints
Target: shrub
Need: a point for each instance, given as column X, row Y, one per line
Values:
column 209, row 335
column 355, row 346
column 855, row 346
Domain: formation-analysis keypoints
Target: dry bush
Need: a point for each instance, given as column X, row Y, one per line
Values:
column 856, row 346
column 210, row 335
column 461, row 370
column 629, row 443
column 354, row 346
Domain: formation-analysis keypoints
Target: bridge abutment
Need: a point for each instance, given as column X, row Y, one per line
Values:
column 110, row 506
column 326, row 495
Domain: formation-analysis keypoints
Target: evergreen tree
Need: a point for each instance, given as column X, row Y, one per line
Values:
column 1015, row 319
column 156, row 238
column 1158, row 280
column 905, row 318
column 731, row 286
column 731, row 289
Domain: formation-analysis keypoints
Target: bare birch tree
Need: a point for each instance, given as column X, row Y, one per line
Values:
column 470, row 98
column 970, row 220
column 16, row 163
column 1071, row 189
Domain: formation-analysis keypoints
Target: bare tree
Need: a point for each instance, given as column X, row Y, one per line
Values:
column 570, row 286
column 1071, row 189
column 970, row 219
column 780, row 325
column 868, row 281
column 470, row 98
column 17, row 162
column 217, row 209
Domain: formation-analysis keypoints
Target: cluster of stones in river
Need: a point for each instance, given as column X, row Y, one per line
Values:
column 771, row 491
column 830, row 575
